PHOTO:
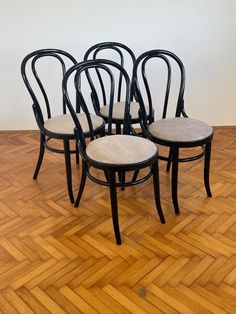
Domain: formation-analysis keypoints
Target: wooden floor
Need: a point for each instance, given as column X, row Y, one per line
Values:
column 57, row 259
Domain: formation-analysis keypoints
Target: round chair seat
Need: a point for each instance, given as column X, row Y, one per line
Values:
column 119, row 110
column 64, row 123
column 180, row 130
column 121, row 150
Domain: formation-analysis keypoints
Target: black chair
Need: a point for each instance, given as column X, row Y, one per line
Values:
column 59, row 126
column 176, row 132
column 112, row 153
column 123, row 55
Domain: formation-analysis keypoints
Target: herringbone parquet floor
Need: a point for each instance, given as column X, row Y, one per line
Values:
column 57, row 259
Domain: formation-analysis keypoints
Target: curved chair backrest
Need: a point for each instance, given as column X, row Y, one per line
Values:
column 31, row 60
column 75, row 73
column 121, row 51
column 140, row 74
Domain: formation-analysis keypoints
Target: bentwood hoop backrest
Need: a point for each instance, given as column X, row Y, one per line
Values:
column 32, row 59
column 140, row 68
column 75, row 74
column 120, row 50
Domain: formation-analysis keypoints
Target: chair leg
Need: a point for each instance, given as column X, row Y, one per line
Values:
column 207, row 168
column 103, row 132
column 118, row 128
column 68, row 169
column 169, row 162
column 106, row 175
column 135, row 175
column 82, row 183
column 114, row 206
column 40, row 158
column 121, row 175
column 175, row 166
column 76, row 153
column 156, row 187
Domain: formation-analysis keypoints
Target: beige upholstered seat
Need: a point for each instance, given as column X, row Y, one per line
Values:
column 119, row 110
column 180, row 130
column 121, row 149
column 64, row 124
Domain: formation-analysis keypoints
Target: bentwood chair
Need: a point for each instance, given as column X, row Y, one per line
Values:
column 178, row 131
column 123, row 55
column 58, row 126
column 111, row 153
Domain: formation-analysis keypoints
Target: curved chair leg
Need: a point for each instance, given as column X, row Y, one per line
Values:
column 76, row 153
column 68, row 169
column 169, row 162
column 40, row 158
column 207, row 168
column 156, row 185
column 82, row 183
column 114, row 206
column 175, row 165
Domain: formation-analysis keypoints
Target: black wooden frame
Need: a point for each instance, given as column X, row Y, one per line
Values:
column 147, row 118
column 108, row 169
column 92, row 54
column 46, row 135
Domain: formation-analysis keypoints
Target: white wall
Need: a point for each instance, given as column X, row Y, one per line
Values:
column 201, row 32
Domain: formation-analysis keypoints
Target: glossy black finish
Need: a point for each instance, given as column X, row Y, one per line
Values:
column 109, row 170
column 157, row 191
column 207, row 168
column 41, row 103
column 82, row 183
column 174, row 183
column 143, row 91
column 40, row 158
column 68, row 168
column 114, row 205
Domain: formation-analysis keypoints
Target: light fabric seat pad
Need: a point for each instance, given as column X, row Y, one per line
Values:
column 64, row 124
column 121, row 149
column 119, row 110
column 180, row 129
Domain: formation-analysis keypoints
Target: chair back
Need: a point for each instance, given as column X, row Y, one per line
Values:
column 34, row 83
column 142, row 82
column 113, row 51
column 77, row 74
